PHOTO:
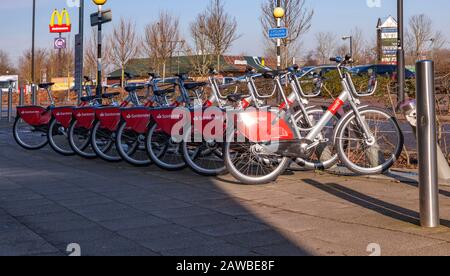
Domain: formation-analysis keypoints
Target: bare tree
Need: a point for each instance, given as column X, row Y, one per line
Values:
column 61, row 62
column 124, row 45
column 297, row 19
column 325, row 46
column 41, row 66
column 358, row 44
column 162, row 38
column 220, row 28
column 6, row 66
column 420, row 31
column 370, row 53
column 438, row 41
column 201, row 51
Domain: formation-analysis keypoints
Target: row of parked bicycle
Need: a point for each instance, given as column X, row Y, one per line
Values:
column 177, row 125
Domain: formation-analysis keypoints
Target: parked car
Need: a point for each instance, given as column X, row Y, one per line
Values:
column 381, row 70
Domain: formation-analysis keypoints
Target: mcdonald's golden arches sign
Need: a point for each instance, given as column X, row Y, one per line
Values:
column 60, row 22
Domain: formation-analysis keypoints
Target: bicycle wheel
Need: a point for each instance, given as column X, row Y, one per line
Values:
column 29, row 137
column 103, row 141
column 163, row 151
column 80, row 141
column 362, row 155
column 58, row 138
column 131, row 146
column 204, row 158
column 248, row 163
column 325, row 154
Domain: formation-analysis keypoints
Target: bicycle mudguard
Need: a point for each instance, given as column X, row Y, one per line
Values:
column 109, row 117
column 137, row 118
column 168, row 118
column 85, row 116
column 34, row 115
column 63, row 115
column 263, row 126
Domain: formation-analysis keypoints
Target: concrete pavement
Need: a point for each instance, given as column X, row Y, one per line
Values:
column 48, row 202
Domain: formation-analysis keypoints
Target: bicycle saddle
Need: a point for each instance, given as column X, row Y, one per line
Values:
column 236, row 97
column 88, row 98
column 128, row 75
column 273, row 74
column 154, row 75
column 182, row 76
column 132, row 88
column 213, row 71
column 250, row 70
column 163, row 92
column 110, row 95
column 46, row 85
column 193, row 85
column 293, row 68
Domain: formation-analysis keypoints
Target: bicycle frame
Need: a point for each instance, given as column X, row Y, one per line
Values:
column 285, row 121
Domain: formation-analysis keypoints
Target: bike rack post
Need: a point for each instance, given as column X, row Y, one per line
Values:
column 427, row 144
column 21, row 96
column 33, row 95
column 1, row 104
column 10, row 102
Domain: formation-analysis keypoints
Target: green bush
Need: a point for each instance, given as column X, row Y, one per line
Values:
column 386, row 85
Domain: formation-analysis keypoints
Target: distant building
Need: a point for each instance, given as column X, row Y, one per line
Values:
column 229, row 66
column 387, row 40
column 5, row 80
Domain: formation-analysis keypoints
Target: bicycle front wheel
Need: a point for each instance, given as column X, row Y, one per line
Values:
column 366, row 156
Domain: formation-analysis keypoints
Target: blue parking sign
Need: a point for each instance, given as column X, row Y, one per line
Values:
column 277, row 33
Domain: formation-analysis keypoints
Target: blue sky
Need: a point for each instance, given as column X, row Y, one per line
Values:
column 338, row 17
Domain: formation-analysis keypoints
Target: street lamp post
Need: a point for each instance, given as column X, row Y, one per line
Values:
column 400, row 56
column 432, row 41
column 33, row 35
column 351, row 43
column 99, row 4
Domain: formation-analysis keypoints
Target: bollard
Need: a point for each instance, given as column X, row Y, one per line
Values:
column 1, row 103
column 33, row 95
column 21, row 96
column 427, row 145
column 10, row 102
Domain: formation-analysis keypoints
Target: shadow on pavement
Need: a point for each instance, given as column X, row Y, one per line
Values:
column 382, row 207
column 48, row 201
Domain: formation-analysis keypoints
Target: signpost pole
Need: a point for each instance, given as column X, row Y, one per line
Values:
column 33, row 36
column 10, row 101
column 278, row 39
column 99, row 54
column 79, row 50
column 278, row 13
column 400, row 56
